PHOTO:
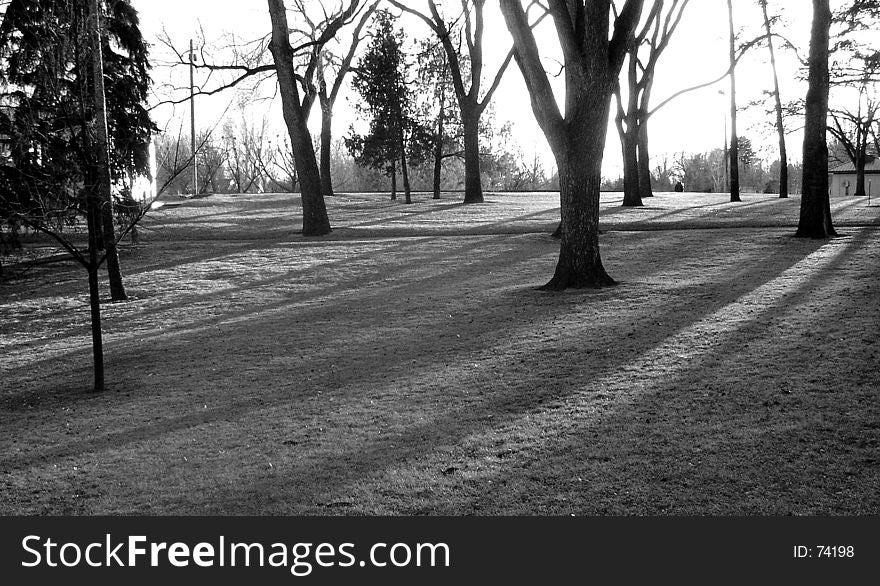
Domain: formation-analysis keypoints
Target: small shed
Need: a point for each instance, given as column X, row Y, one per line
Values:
column 842, row 179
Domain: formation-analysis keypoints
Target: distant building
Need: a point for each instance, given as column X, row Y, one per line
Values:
column 842, row 179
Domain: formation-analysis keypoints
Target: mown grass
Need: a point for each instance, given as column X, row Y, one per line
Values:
column 407, row 365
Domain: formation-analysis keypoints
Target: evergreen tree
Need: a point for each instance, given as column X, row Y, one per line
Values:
column 48, row 112
column 380, row 79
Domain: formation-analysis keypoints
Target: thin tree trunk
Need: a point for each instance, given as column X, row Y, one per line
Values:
column 315, row 219
column 94, row 221
column 393, row 181
column 624, row 121
column 861, row 162
column 404, row 172
column 780, row 127
column 630, row 145
column 404, row 169
column 326, row 147
column 645, row 179
column 102, row 148
column 629, row 139
column 438, row 154
column 734, row 138
column 815, row 213
column 646, row 188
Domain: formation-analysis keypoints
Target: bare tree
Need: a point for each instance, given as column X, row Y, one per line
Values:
column 331, row 74
column 299, row 90
column 467, row 77
column 593, row 54
column 733, row 154
column 632, row 120
column 780, row 125
column 854, row 128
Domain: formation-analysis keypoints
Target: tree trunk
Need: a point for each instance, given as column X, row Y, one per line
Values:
column 326, row 148
column 861, row 162
column 645, row 179
column 780, row 127
column 393, row 181
column 578, row 152
column 577, row 137
column 628, row 140
column 404, row 173
column 734, row 138
column 93, row 219
column 102, row 148
column 815, row 213
column 438, row 156
column 580, row 178
column 315, row 219
column 473, row 187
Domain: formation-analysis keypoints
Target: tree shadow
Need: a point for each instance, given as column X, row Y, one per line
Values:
column 328, row 468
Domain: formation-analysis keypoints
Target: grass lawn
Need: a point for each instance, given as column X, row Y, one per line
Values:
column 406, row 364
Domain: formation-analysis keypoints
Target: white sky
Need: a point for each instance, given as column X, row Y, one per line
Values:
column 698, row 53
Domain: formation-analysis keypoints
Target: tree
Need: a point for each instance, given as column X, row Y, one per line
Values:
column 387, row 100
column 331, row 74
column 815, row 214
column 854, row 127
column 48, row 76
column 780, row 125
column 632, row 121
column 315, row 219
column 593, row 55
column 438, row 108
column 467, row 77
column 733, row 155
column 62, row 148
column 298, row 89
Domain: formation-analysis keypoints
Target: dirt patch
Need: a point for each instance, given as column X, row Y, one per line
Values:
column 406, row 364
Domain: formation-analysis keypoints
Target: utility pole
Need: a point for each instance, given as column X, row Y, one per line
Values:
column 192, row 117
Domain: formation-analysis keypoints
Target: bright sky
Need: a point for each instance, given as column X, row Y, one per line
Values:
column 698, row 53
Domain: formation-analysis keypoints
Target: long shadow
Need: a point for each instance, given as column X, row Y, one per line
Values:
column 457, row 422
column 702, row 218
column 327, row 475
column 667, row 249
column 409, row 214
column 354, row 284
column 729, row 450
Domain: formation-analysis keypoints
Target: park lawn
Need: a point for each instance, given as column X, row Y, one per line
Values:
column 407, row 364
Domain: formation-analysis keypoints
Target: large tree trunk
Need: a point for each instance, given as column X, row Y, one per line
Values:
column 326, row 148
column 592, row 65
column 580, row 178
column 102, row 148
column 734, row 137
column 815, row 214
column 473, row 187
column 780, row 127
column 578, row 154
column 315, row 219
